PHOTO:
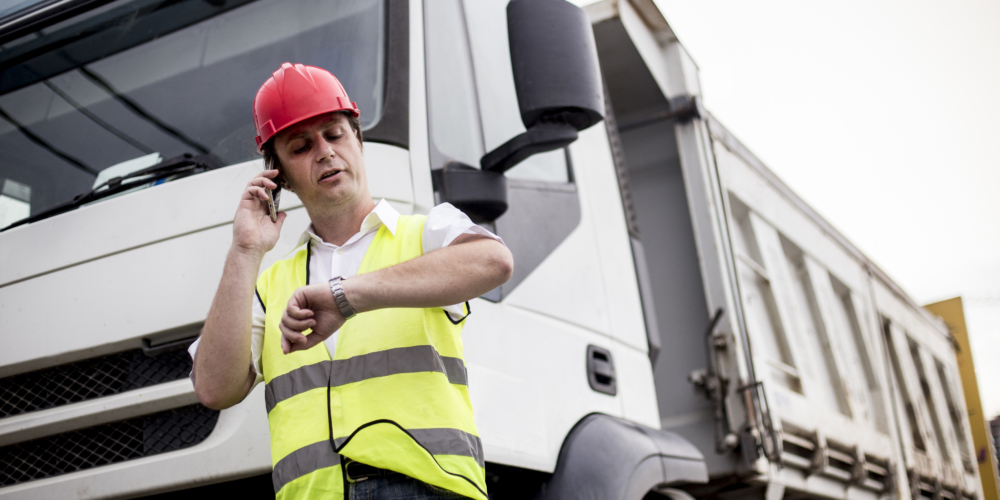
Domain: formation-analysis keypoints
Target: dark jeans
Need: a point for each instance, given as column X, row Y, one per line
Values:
column 397, row 487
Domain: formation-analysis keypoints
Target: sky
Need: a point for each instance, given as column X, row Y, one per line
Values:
column 884, row 116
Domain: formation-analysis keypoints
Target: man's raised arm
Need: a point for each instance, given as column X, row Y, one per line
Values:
column 471, row 266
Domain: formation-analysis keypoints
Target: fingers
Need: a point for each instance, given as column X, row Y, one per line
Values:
column 257, row 185
column 259, row 192
column 290, row 344
column 310, row 341
column 292, row 338
column 263, row 181
column 255, row 192
column 296, row 320
column 292, row 341
column 297, row 312
column 296, row 325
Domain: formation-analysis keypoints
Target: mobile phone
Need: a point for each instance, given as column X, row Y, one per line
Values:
column 274, row 197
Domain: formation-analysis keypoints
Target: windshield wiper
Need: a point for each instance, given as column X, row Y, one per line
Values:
column 183, row 166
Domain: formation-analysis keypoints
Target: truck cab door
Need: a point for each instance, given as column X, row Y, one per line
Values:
column 574, row 288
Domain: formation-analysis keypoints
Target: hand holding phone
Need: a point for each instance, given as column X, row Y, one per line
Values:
column 250, row 230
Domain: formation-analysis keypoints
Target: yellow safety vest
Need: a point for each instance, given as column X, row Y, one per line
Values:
column 398, row 395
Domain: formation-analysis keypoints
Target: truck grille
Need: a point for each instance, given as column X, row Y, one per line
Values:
column 106, row 444
column 89, row 379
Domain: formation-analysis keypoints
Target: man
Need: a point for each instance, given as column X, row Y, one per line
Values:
column 375, row 405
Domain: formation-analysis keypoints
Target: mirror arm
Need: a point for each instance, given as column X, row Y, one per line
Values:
column 538, row 139
column 481, row 194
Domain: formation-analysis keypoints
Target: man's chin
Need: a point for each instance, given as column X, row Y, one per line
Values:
column 339, row 195
column 336, row 189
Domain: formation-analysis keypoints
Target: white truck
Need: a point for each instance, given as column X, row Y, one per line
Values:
column 679, row 324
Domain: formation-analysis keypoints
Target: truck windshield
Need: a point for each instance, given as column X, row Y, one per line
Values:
column 132, row 82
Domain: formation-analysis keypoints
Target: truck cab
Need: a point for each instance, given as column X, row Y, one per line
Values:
column 95, row 94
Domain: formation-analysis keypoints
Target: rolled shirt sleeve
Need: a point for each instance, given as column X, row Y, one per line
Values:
column 444, row 224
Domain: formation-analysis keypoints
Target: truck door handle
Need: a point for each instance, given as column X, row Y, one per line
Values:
column 601, row 370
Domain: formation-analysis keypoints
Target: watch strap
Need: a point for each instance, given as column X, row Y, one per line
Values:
column 337, row 288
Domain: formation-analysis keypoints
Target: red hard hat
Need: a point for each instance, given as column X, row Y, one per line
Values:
column 295, row 93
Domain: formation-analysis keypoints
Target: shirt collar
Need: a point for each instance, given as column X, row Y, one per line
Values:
column 382, row 215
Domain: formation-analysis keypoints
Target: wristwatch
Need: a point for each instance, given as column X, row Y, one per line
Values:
column 340, row 298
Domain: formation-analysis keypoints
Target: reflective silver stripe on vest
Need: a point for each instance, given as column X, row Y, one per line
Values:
column 455, row 369
column 444, row 441
column 451, row 442
column 421, row 358
column 297, row 381
column 303, row 461
column 316, row 456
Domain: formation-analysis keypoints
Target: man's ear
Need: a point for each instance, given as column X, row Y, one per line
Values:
column 283, row 180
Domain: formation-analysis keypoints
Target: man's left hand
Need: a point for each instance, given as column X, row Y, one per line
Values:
column 313, row 307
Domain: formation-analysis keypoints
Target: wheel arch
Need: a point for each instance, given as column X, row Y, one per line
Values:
column 607, row 457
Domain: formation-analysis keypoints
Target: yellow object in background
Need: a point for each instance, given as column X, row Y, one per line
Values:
column 953, row 314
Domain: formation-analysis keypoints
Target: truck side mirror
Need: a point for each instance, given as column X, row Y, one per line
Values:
column 554, row 60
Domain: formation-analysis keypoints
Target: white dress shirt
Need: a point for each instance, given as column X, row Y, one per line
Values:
column 444, row 224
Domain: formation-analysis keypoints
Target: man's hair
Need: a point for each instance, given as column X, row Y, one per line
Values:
column 271, row 158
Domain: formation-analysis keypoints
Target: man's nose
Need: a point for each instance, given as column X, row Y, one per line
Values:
column 325, row 150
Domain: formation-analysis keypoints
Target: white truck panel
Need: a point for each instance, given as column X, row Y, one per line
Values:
column 169, row 285
column 592, row 167
column 419, row 149
column 585, row 292
column 186, row 205
column 125, row 222
column 565, row 286
column 635, row 385
column 528, row 381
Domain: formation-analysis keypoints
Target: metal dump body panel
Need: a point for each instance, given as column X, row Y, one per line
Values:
column 807, row 314
column 874, row 420
column 832, row 400
column 927, row 379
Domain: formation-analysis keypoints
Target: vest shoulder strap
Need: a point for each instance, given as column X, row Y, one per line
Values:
column 292, row 271
column 388, row 249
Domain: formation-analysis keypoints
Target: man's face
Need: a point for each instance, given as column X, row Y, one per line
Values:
column 321, row 160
